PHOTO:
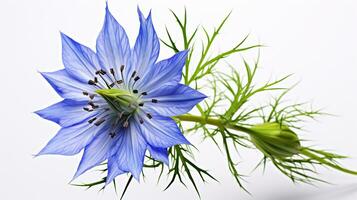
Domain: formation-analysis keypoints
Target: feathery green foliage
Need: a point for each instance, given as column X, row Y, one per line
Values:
column 228, row 119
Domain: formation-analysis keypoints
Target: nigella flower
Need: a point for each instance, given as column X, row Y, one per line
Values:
column 118, row 102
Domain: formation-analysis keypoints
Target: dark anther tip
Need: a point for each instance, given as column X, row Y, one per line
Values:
column 141, row 104
column 154, row 100
column 91, row 82
column 121, row 68
column 144, row 93
column 136, row 78
column 148, row 115
column 135, row 91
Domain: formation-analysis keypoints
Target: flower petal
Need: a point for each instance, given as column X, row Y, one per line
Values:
column 159, row 154
column 162, row 132
column 66, row 86
column 113, row 47
column 174, row 101
column 66, row 113
column 96, row 151
column 147, row 46
column 169, row 70
column 113, row 170
column 79, row 61
column 130, row 150
column 71, row 140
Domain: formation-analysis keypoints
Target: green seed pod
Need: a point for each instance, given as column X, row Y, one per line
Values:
column 275, row 140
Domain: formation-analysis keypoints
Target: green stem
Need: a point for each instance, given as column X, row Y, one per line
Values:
column 213, row 121
column 308, row 153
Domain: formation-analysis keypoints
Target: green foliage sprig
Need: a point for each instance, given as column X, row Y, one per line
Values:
column 230, row 123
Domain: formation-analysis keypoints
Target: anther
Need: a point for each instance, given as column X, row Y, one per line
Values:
column 93, row 105
column 102, row 72
column 120, row 81
column 154, row 100
column 92, row 120
column 112, row 71
column 112, row 134
column 133, row 74
column 141, row 104
column 144, row 93
column 87, row 109
column 112, row 85
column 122, row 68
column 141, row 121
column 91, row 82
column 91, row 96
column 148, row 115
column 135, row 91
column 136, row 78
column 95, row 79
column 99, row 122
column 85, row 93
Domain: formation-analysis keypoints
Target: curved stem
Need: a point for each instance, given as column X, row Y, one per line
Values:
column 212, row 121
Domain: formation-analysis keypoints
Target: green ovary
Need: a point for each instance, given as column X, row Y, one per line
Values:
column 120, row 100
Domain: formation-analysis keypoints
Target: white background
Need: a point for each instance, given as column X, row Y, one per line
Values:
column 314, row 39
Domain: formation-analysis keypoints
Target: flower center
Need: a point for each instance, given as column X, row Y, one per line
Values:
column 121, row 101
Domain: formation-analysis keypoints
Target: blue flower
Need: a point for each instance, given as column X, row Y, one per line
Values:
column 118, row 101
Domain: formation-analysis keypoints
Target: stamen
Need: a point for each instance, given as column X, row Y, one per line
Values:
column 144, row 93
column 141, row 104
column 85, row 93
column 93, row 105
column 112, row 134
column 126, row 124
column 148, row 115
column 141, row 121
column 120, row 115
column 121, row 72
column 91, row 96
column 133, row 74
column 120, row 81
column 91, row 82
column 112, row 71
column 112, row 85
column 154, row 100
column 136, row 78
column 99, row 122
column 102, row 72
column 95, row 79
column 87, row 109
column 135, row 91
column 92, row 120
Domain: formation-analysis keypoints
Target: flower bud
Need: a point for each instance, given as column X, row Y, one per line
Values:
column 275, row 140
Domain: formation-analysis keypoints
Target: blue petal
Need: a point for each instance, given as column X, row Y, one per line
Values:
column 66, row 113
column 159, row 154
column 162, row 132
column 71, row 140
column 79, row 61
column 66, row 86
column 130, row 150
column 113, row 47
column 96, row 152
column 113, row 170
column 147, row 46
column 174, row 101
column 169, row 70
